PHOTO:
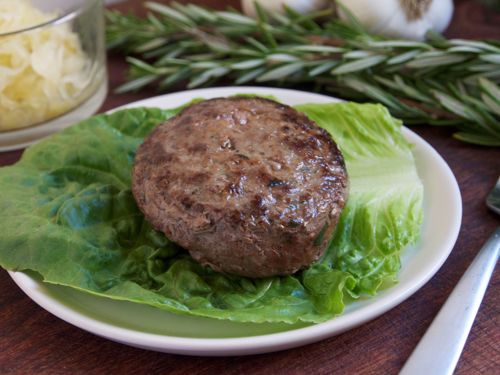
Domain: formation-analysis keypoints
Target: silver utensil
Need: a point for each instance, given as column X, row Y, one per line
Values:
column 440, row 348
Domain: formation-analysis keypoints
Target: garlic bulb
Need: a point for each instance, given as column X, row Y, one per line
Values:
column 409, row 19
column 301, row 6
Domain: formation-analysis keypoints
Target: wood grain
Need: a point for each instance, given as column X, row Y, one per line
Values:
column 33, row 341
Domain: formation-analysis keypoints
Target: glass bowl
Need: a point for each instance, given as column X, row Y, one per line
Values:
column 52, row 67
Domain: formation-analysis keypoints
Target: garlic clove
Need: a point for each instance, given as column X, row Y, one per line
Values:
column 300, row 6
column 440, row 14
column 373, row 15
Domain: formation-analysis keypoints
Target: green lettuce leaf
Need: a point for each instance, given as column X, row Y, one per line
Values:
column 384, row 209
column 68, row 214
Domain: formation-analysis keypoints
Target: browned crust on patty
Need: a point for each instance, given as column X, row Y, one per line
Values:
column 248, row 186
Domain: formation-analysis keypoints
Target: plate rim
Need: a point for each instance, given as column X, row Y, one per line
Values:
column 267, row 342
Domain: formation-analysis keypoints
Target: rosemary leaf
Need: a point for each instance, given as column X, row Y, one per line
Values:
column 439, row 82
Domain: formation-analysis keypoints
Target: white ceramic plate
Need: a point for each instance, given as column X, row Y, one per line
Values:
column 150, row 328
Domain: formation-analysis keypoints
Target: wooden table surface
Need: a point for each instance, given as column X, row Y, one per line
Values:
column 32, row 341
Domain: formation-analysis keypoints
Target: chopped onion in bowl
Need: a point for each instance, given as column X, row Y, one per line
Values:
column 43, row 71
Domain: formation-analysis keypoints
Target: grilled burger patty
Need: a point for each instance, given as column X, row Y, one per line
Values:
column 248, row 186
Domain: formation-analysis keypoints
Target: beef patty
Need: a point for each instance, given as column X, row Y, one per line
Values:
column 248, row 186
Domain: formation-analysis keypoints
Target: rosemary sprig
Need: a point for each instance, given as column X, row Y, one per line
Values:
column 438, row 82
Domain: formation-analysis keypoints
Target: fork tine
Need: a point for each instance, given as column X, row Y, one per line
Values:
column 493, row 200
